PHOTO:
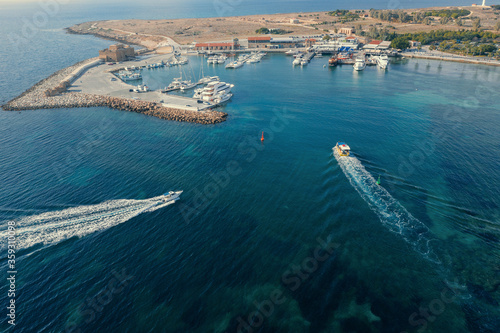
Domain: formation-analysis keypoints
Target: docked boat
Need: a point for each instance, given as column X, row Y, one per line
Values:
column 208, row 79
column 383, row 61
column 222, row 98
column 213, row 90
column 333, row 61
column 186, row 85
column 235, row 64
column 297, row 61
column 342, row 149
column 359, row 64
column 128, row 75
column 304, row 62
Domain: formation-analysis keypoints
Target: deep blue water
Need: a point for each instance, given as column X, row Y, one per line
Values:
column 421, row 257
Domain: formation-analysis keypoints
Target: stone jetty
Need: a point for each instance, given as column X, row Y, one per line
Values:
column 51, row 93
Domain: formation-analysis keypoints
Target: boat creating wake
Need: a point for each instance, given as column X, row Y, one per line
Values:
column 390, row 212
column 54, row 227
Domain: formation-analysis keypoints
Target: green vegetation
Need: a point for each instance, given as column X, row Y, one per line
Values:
column 467, row 48
column 345, row 15
column 338, row 12
column 466, row 42
column 418, row 17
column 497, row 7
column 266, row 31
column 400, row 43
column 441, row 35
column 448, row 13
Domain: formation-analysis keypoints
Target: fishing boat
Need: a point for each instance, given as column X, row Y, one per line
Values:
column 333, row 61
column 342, row 149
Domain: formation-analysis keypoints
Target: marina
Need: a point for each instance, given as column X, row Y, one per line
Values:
column 397, row 230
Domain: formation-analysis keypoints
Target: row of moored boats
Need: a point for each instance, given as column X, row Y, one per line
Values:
column 246, row 59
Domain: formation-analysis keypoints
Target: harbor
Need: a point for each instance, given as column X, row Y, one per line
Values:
column 92, row 83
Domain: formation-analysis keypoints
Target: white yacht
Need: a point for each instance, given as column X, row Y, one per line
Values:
column 186, row 85
column 221, row 98
column 208, row 79
column 213, row 90
column 304, row 62
column 297, row 61
column 360, row 64
column 382, row 61
column 222, row 59
column 235, row 64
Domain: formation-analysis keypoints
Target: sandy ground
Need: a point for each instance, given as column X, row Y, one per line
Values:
column 154, row 33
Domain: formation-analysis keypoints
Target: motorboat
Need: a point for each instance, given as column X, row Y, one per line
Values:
column 383, row 61
column 359, row 64
column 342, row 149
column 186, row 85
column 208, row 79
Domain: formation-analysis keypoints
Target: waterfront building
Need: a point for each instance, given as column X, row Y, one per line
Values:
column 117, row 52
column 217, row 46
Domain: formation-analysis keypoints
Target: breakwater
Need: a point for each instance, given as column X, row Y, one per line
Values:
column 48, row 94
column 79, row 100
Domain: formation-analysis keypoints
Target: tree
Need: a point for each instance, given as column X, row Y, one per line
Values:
column 359, row 28
column 476, row 23
column 497, row 26
column 427, row 21
column 327, row 37
column 459, row 22
column 400, row 43
column 262, row 31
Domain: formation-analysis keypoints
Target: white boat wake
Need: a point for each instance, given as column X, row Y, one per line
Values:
column 390, row 212
column 53, row 227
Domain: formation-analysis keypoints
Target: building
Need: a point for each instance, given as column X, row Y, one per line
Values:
column 310, row 42
column 259, row 42
column 217, row 46
column 377, row 45
column 117, row 52
column 287, row 42
column 346, row 31
column 414, row 43
column 294, row 21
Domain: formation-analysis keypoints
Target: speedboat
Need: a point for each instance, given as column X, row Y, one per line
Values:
column 304, row 62
column 342, row 149
column 171, row 195
column 297, row 61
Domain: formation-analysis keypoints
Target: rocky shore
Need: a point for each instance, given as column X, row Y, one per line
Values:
column 37, row 98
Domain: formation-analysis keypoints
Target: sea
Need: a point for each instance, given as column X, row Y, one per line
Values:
column 280, row 235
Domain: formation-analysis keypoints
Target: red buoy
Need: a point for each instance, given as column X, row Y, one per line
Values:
column 262, row 139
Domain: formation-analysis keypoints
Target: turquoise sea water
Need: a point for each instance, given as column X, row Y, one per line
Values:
column 419, row 255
